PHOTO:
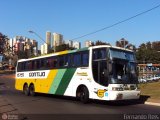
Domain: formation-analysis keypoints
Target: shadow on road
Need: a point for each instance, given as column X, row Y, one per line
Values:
column 1, row 83
column 123, row 102
column 142, row 100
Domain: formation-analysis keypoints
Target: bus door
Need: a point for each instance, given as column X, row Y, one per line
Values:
column 99, row 66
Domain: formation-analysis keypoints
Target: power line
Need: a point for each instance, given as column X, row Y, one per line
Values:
column 117, row 23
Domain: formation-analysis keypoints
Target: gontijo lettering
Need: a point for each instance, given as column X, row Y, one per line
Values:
column 36, row 74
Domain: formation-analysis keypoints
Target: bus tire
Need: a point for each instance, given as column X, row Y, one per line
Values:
column 26, row 90
column 32, row 90
column 84, row 95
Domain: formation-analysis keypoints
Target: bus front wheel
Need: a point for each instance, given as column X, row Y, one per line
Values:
column 84, row 95
column 26, row 90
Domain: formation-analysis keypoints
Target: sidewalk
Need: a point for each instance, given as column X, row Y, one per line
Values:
column 155, row 102
column 9, row 112
column 5, row 107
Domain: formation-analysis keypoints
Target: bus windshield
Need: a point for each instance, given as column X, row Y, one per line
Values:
column 123, row 67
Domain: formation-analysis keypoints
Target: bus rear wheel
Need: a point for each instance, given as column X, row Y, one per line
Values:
column 83, row 95
column 26, row 90
column 32, row 90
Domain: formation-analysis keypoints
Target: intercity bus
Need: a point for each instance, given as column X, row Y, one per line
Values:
column 99, row 72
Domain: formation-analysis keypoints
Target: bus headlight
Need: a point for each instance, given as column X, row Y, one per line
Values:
column 117, row 88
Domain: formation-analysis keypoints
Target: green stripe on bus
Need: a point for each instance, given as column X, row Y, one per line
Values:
column 65, row 81
column 78, row 50
column 72, row 51
column 82, row 49
column 57, row 81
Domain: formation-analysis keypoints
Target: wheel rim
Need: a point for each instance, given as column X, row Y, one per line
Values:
column 26, row 90
column 32, row 90
column 82, row 95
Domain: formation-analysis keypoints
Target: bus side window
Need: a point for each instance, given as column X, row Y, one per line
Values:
column 25, row 66
column 55, row 62
column 76, row 60
column 51, row 62
column 61, row 61
column 47, row 63
column 67, row 60
column 19, row 67
column 38, row 64
column 30, row 65
column 43, row 64
column 33, row 65
column 50, row 65
column 85, row 58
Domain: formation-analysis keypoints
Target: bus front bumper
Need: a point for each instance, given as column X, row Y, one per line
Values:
column 124, row 95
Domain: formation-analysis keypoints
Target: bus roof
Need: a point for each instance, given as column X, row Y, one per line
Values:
column 73, row 51
column 109, row 46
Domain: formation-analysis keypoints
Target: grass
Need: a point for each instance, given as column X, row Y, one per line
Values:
column 152, row 90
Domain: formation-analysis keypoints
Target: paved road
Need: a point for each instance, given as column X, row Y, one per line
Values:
column 14, row 102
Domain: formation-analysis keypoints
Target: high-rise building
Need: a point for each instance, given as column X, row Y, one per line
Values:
column 58, row 39
column 34, row 43
column 44, row 49
column 28, row 50
column 11, row 42
column 48, row 38
column 23, row 44
column 88, row 43
column 77, row 45
column 69, row 42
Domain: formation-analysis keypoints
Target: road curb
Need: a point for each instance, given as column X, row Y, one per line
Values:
column 152, row 103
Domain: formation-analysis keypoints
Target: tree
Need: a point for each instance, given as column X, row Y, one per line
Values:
column 122, row 43
column 156, row 45
column 125, row 44
column 3, row 43
column 99, row 42
column 63, row 47
column 22, row 54
column 148, row 53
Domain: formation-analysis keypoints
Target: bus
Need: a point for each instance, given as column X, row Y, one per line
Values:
column 99, row 72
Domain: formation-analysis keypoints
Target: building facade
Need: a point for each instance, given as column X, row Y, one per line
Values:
column 44, row 49
column 57, row 39
column 48, row 38
column 88, row 43
column 77, row 45
column 69, row 42
column 148, row 70
column 23, row 44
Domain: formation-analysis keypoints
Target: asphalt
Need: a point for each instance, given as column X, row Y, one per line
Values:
column 43, row 106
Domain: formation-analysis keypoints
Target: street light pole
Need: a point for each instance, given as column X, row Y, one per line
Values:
column 30, row 31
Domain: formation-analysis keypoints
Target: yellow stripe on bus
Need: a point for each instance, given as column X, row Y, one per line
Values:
column 63, row 52
column 41, row 85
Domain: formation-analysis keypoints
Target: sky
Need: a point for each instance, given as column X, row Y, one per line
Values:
column 74, row 18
